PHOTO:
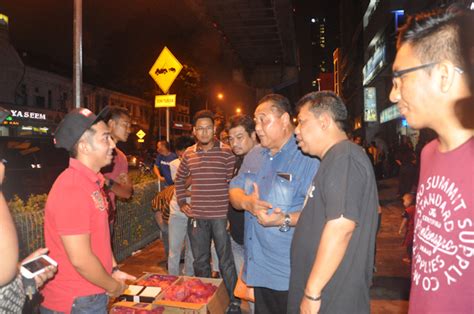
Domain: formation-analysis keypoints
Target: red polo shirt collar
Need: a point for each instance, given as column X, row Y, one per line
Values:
column 87, row 172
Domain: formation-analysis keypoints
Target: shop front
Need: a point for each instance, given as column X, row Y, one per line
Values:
column 26, row 144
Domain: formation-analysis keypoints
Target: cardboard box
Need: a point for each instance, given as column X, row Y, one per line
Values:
column 140, row 294
column 135, row 307
column 217, row 303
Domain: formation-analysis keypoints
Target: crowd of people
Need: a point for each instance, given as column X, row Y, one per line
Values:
column 292, row 211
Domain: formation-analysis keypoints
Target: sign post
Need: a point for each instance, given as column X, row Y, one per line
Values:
column 164, row 71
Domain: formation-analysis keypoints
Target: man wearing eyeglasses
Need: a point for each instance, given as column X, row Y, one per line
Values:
column 210, row 165
column 432, row 91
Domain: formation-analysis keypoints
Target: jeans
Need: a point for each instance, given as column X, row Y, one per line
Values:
column 177, row 237
column 163, row 225
column 201, row 232
column 214, row 258
column 90, row 304
column 238, row 253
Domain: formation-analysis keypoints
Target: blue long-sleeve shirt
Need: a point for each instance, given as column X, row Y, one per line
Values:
column 267, row 249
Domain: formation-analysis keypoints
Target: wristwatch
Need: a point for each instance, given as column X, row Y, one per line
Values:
column 285, row 227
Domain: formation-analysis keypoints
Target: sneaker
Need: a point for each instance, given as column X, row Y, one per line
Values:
column 233, row 308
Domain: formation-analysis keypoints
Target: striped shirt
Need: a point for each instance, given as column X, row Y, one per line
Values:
column 210, row 173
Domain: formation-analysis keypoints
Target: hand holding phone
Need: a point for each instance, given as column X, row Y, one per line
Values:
column 36, row 266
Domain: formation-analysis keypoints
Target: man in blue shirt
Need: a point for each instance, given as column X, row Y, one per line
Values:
column 162, row 162
column 271, row 187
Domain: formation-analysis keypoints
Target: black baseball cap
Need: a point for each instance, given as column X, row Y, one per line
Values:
column 74, row 124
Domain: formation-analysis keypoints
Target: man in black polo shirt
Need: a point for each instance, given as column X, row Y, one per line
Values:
column 332, row 251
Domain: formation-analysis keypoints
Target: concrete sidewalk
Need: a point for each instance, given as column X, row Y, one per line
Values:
column 391, row 284
column 390, row 290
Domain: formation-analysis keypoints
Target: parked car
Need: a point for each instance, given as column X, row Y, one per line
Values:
column 32, row 165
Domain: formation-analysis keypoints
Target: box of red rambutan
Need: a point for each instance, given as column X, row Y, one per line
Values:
column 194, row 295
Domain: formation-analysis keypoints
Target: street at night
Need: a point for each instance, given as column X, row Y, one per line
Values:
column 237, row 156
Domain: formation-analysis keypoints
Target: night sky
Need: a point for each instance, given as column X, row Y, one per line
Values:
column 121, row 39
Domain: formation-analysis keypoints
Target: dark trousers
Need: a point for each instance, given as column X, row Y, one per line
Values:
column 200, row 232
column 269, row 301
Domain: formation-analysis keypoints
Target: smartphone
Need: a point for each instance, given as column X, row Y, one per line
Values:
column 36, row 266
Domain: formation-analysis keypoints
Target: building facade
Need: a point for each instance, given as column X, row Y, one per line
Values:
column 39, row 99
column 365, row 58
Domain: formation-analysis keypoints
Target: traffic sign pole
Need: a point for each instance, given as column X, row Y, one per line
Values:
column 168, row 124
column 164, row 71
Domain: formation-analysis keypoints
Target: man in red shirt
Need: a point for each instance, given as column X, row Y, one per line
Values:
column 431, row 89
column 76, row 222
column 117, row 182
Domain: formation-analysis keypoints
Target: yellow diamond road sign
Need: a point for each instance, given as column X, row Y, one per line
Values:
column 165, row 70
column 141, row 134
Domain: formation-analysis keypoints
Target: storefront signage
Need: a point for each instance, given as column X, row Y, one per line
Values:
column 370, row 104
column 375, row 62
column 389, row 114
column 28, row 115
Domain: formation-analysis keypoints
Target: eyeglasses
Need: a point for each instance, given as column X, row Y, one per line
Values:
column 398, row 74
column 204, row 129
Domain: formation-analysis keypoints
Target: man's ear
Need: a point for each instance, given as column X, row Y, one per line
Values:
column 82, row 147
column 446, row 74
column 286, row 118
column 253, row 136
column 325, row 119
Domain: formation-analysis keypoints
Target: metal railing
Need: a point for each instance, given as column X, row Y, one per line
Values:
column 135, row 225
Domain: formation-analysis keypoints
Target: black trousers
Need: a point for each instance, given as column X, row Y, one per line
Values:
column 269, row 301
column 201, row 232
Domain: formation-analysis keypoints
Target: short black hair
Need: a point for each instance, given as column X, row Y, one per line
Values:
column 183, row 142
column 279, row 102
column 244, row 121
column 116, row 113
column 326, row 101
column 436, row 35
column 88, row 134
column 164, row 142
column 202, row 114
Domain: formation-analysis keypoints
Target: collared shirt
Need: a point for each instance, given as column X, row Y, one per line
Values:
column 117, row 171
column 283, row 180
column 76, row 205
column 210, row 173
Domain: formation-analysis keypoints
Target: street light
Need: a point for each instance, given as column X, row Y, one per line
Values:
column 220, row 96
column 238, row 111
